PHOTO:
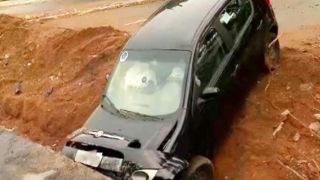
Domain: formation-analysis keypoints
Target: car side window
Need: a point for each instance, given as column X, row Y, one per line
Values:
column 235, row 15
column 211, row 52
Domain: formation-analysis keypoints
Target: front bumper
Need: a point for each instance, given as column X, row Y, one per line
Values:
column 133, row 160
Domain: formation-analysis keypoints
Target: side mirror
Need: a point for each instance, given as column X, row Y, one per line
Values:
column 209, row 92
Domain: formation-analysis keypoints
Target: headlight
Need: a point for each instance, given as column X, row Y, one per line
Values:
column 140, row 175
column 111, row 164
column 146, row 174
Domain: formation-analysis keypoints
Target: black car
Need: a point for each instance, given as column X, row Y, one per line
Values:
column 156, row 114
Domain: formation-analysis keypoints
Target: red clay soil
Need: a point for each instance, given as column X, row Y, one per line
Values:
column 51, row 79
column 250, row 151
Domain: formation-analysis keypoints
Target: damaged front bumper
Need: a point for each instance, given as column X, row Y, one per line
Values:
column 135, row 163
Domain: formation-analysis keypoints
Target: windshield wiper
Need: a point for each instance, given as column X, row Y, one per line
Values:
column 111, row 105
column 126, row 112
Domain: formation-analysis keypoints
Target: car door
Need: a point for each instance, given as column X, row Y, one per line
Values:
column 209, row 55
column 217, row 63
column 235, row 24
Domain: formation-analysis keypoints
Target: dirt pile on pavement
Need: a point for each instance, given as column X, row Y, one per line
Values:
column 271, row 136
column 51, row 79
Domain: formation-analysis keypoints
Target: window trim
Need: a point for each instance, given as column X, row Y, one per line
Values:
column 226, row 34
column 235, row 45
column 198, row 59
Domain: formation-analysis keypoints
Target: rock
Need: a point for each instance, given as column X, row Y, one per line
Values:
column 306, row 87
column 304, row 50
column 5, row 59
column 51, row 77
column 317, row 116
column 315, row 126
column 285, row 113
column 18, row 88
column 302, row 161
column 49, row 92
column 93, row 56
column 278, row 129
column 27, row 17
column 6, row 63
column 6, row 56
column 296, row 137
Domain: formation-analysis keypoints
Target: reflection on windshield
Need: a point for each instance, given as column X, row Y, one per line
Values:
column 149, row 82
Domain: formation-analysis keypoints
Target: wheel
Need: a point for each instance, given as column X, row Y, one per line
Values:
column 271, row 53
column 200, row 168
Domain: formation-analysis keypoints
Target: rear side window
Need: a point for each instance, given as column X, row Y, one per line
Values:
column 235, row 15
column 211, row 52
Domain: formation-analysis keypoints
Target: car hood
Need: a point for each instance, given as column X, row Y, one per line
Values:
column 150, row 133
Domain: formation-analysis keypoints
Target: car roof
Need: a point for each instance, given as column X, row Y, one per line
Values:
column 173, row 26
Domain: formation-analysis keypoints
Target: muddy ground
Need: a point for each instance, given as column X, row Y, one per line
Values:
column 51, row 79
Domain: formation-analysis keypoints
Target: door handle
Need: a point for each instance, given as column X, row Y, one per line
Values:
column 235, row 72
column 260, row 25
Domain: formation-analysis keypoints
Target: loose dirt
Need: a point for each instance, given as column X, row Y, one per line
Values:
column 51, row 79
column 250, row 150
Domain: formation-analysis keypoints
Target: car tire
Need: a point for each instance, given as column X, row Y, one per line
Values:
column 200, row 168
column 271, row 52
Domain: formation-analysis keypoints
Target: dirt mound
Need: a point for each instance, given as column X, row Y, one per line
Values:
column 51, row 79
column 259, row 147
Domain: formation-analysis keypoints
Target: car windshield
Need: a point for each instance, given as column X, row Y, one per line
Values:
column 148, row 83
